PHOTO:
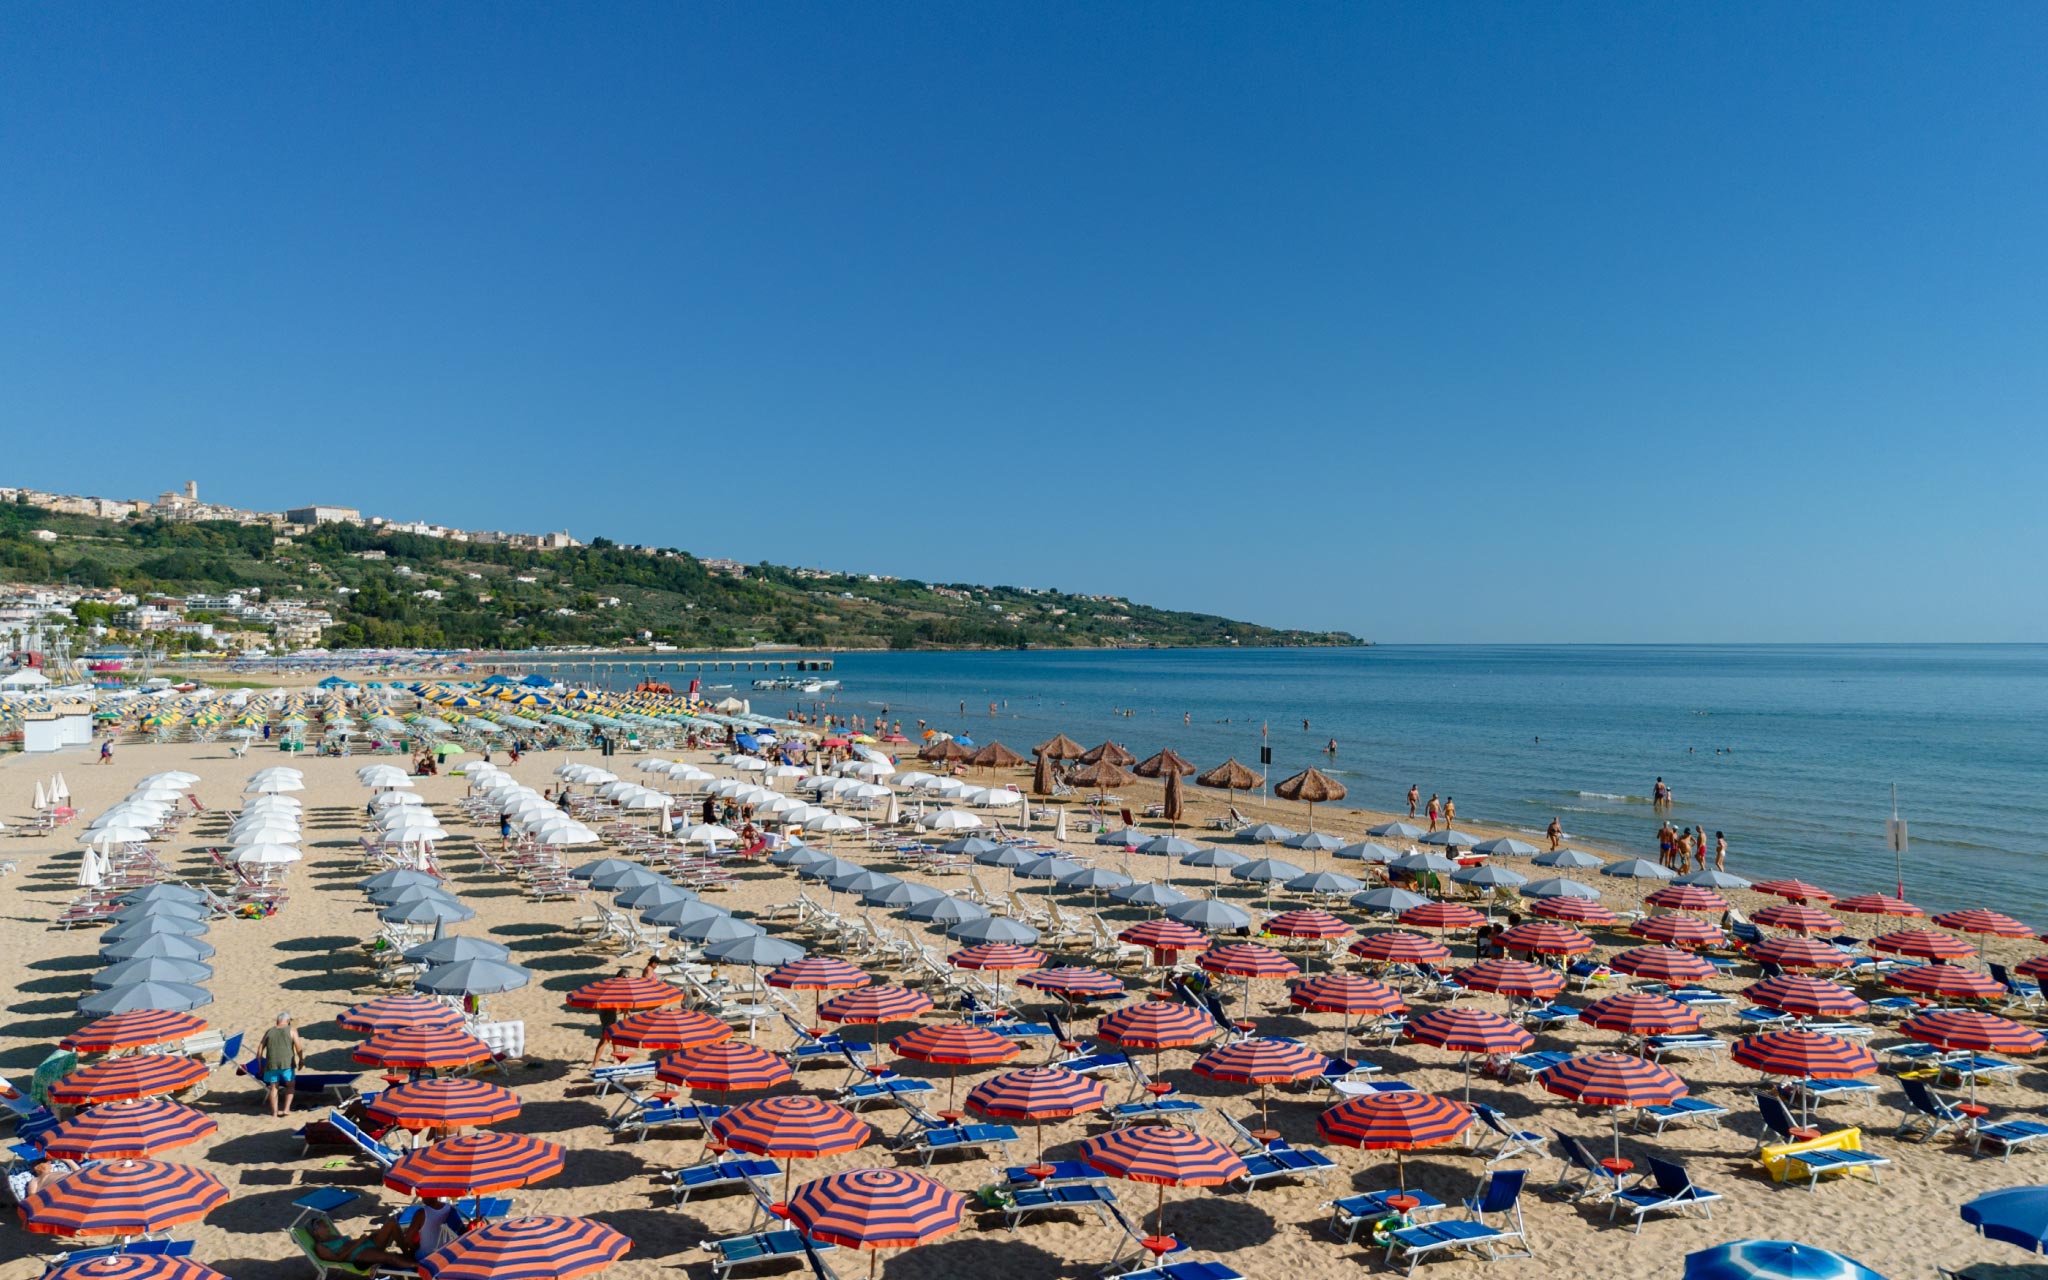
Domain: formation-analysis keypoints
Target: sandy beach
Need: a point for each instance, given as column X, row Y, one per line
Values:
column 308, row 959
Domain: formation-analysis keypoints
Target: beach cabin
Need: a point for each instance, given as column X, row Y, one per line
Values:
column 42, row 731
column 75, row 723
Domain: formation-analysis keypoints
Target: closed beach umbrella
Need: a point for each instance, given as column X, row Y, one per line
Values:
column 1399, row 947
column 174, row 996
column 1578, row 911
column 1639, row 1013
column 1467, row 1032
column 625, row 992
column 1399, row 1122
column 451, row 1102
column 1165, row 1156
column 670, row 1028
column 474, row 1164
column 420, row 1049
column 132, row 1129
column 399, row 1012
column 1037, row 1094
column 1661, row 964
column 527, row 1248
column 122, row 1198
column 1516, row 979
column 1804, row 997
column 790, row 1127
column 1261, row 1062
column 136, row 1029
column 1677, row 930
column 1569, row 859
column 1617, row 1081
column 1773, row 1260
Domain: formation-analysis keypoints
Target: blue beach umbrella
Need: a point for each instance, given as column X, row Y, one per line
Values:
column 1569, row 859
column 1093, row 879
column 1048, row 868
column 757, row 951
column 1366, row 851
column 1504, row 847
column 1423, row 860
column 1265, row 833
column 1144, row 894
column 946, row 911
column 1559, row 887
column 1488, row 876
column 1388, row 901
column 1168, row 847
column 993, row 929
column 1448, row 839
column 794, row 855
column 1210, row 915
column 1008, row 857
column 1324, row 882
column 1636, row 869
column 1712, row 879
column 1128, row 838
column 970, row 846
column 152, row 969
column 1267, row 871
column 1395, row 831
column 2016, row 1215
column 679, row 913
column 1773, row 1260
column 715, row 929
column 1314, row 841
column 453, row 949
column 904, row 893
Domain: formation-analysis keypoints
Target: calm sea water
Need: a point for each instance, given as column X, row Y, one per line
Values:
column 1789, row 750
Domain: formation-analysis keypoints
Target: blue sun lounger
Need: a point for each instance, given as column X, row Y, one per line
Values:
column 1682, row 1111
column 866, row 1093
column 1500, row 1196
column 2008, row 1135
column 714, row 1175
column 656, row 1115
column 1025, row 1201
column 1352, row 1212
column 1185, row 1271
column 1665, row 1188
column 1018, row 1175
column 621, row 1075
column 757, row 1247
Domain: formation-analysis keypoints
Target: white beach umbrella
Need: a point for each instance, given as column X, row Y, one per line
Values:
column 952, row 820
column 272, row 786
column 915, row 778
column 175, row 777
column 653, row 764
column 109, row 837
column 748, row 764
column 270, row 855
column 398, row 800
column 269, row 833
column 998, row 798
column 710, row 833
column 836, row 822
column 807, row 815
column 781, row 805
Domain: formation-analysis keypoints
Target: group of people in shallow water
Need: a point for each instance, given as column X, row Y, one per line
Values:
column 1681, row 850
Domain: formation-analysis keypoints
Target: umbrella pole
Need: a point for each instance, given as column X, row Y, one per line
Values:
column 1159, row 1218
column 1617, row 1133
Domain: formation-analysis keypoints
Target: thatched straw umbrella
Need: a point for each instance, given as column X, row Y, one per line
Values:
column 1041, row 776
column 1111, row 752
column 945, row 749
column 1231, row 776
column 1059, row 747
column 1101, row 775
column 996, row 756
column 1169, row 765
column 1313, row 786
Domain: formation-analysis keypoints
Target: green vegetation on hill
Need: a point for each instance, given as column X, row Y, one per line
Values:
column 602, row 594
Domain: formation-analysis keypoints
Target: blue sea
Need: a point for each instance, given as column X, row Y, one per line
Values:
column 1792, row 751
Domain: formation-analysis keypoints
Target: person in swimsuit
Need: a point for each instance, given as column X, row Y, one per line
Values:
column 1720, row 852
column 1414, row 794
column 375, row 1249
column 1450, row 812
column 1432, row 813
column 283, row 1054
column 1556, row 834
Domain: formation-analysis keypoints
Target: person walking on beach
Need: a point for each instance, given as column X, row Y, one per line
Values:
column 1450, row 812
column 107, row 751
column 605, row 1019
column 1414, row 794
column 1556, row 833
column 1432, row 811
column 283, row 1054
column 1720, row 852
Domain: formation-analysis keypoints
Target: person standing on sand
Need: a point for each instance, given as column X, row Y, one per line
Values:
column 1432, row 811
column 283, row 1054
column 605, row 1019
column 1450, row 812
column 1414, row 794
column 1556, row 833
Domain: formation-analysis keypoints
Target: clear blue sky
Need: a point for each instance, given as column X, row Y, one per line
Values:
column 1434, row 322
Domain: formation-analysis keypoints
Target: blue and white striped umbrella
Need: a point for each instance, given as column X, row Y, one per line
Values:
column 1773, row 1260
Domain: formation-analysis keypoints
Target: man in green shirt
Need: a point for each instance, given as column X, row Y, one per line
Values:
column 283, row 1054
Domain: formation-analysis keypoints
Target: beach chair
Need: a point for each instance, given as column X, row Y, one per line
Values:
column 1054, row 1172
column 1352, row 1212
column 1194, row 1270
column 1132, row 1241
column 1160, row 1109
column 1503, row 1141
column 2007, row 1135
column 1026, row 1201
column 1533, row 1064
column 365, row 1145
column 1499, row 1197
column 622, row 1075
column 1681, row 1111
column 717, row 1175
column 1929, row 1114
column 1266, row 1161
column 1969, row 1067
column 1831, row 1154
column 2019, row 992
column 1661, row 1047
column 1336, row 1070
column 927, row 1137
column 1665, row 1188
column 638, row 1117
column 1547, row 1016
column 322, row 1267
column 757, row 1247
column 886, row 1088
column 1364, row 1088
column 1582, row 1176
column 1814, row 1092
column 1087, row 1061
